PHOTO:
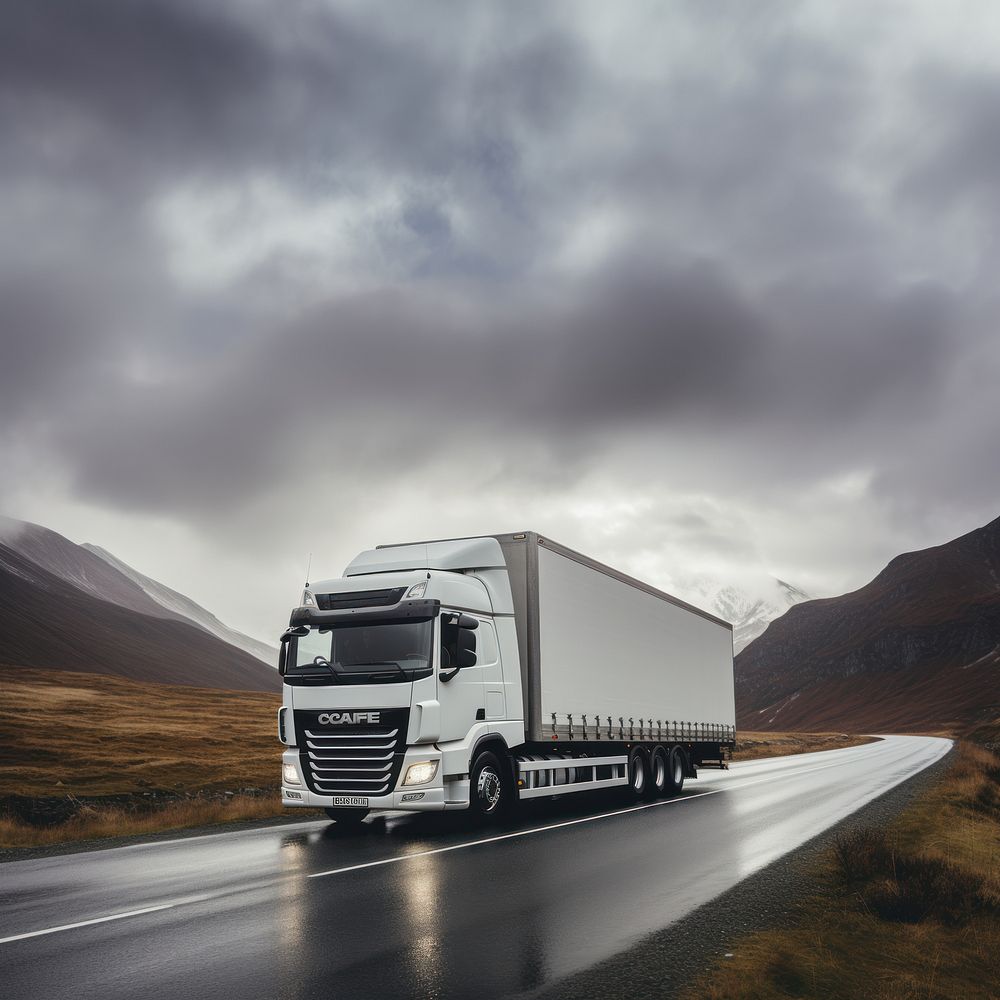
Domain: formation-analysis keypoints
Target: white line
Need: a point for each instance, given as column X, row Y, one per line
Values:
column 458, row 847
column 508, row 836
column 569, row 822
column 87, row 923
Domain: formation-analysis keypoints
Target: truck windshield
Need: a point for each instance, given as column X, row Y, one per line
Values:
column 383, row 652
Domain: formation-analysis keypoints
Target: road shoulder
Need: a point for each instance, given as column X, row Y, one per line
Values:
column 665, row 962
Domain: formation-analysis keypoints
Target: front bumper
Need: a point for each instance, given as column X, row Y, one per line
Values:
column 428, row 797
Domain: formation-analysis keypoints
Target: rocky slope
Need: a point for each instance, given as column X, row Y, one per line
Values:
column 184, row 607
column 101, row 574
column 75, row 565
column 48, row 622
column 917, row 648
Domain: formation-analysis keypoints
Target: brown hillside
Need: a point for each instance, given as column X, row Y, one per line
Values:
column 47, row 622
column 917, row 648
column 86, row 734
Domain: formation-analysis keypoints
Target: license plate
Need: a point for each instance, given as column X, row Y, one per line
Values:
column 351, row 800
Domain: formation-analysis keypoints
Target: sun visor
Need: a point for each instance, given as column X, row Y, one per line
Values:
column 405, row 611
column 452, row 556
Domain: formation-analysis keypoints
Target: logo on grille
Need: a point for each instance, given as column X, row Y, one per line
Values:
column 349, row 718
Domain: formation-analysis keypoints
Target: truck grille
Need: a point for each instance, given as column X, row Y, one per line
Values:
column 360, row 599
column 352, row 760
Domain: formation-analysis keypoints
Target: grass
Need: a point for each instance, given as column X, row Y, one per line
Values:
column 88, row 756
column 751, row 745
column 89, row 734
column 912, row 911
column 94, row 822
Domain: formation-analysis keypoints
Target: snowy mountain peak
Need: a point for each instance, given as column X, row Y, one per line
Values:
column 750, row 608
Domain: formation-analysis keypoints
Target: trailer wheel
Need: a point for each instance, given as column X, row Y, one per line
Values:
column 490, row 790
column 347, row 817
column 675, row 771
column 638, row 772
column 659, row 769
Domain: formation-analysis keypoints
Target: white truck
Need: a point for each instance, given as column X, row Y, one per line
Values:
column 472, row 673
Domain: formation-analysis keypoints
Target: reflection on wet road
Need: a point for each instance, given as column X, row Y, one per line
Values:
column 417, row 905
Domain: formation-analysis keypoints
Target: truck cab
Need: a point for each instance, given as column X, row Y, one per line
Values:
column 395, row 675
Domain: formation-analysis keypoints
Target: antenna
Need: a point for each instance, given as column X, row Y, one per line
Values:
column 309, row 566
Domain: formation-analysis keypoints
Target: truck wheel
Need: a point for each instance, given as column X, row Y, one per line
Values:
column 347, row 817
column 490, row 791
column 659, row 768
column 675, row 771
column 638, row 772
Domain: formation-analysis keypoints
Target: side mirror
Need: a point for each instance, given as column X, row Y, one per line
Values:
column 286, row 636
column 466, row 648
column 463, row 628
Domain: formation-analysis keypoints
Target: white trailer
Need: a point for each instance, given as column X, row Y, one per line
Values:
column 476, row 672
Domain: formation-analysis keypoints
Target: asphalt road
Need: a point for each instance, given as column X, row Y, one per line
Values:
column 417, row 906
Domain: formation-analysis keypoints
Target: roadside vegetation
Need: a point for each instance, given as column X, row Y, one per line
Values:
column 78, row 734
column 751, row 746
column 97, row 821
column 90, row 756
column 907, row 912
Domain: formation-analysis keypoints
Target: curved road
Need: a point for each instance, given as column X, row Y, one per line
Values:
column 417, row 905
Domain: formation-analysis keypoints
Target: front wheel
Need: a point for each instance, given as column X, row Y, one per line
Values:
column 490, row 790
column 347, row 817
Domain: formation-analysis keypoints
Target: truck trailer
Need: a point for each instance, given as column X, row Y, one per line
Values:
column 473, row 673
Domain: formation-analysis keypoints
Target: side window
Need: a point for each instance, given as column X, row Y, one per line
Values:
column 488, row 652
column 485, row 639
column 449, row 637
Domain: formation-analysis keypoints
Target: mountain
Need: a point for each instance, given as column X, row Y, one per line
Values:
column 98, row 572
column 917, row 648
column 183, row 607
column 750, row 610
column 74, row 564
column 46, row 621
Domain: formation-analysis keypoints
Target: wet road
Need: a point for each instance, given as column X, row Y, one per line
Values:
column 417, row 906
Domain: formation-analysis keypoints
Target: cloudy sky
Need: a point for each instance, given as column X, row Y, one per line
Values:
column 705, row 290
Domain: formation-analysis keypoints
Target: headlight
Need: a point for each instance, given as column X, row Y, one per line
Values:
column 290, row 774
column 417, row 590
column 421, row 772
column 308, row 601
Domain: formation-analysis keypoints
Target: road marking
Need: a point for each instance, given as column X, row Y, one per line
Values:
column 87, row 923
column 472, row 843
column 509, row 836
column 571, row 822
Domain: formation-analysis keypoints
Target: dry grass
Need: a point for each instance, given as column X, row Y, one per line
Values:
column 899, row 914
column 986, row 733
column 87, row 734
column 751, row 745
column 68, row 736
column 171, row 756
column 94, row 822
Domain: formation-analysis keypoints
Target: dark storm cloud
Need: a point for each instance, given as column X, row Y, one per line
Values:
column 955, row 164
column 568, row 251
column 130, row 94
column 640, row 349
